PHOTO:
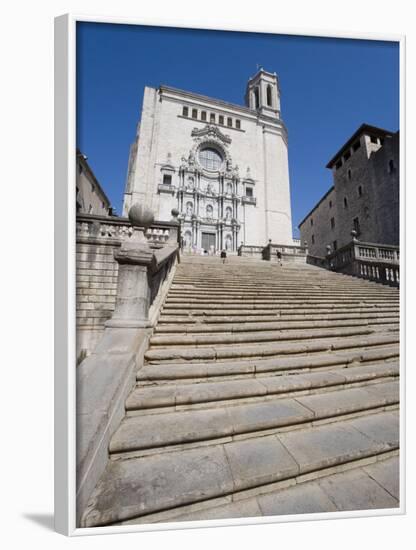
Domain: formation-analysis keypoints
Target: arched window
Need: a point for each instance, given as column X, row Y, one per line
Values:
column 269, row 95
column 210, row 158
column 256, row 98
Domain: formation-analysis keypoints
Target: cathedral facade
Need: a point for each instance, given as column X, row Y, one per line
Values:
column 223, row 166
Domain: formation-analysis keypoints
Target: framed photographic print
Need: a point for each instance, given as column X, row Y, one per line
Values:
column 228, row 220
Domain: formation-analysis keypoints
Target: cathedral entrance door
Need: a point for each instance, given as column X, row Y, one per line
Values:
column 208, row 241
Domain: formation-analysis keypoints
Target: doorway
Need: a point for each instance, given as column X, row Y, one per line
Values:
column 208, row 242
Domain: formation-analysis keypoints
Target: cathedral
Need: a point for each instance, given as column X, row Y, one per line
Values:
column 223, row 166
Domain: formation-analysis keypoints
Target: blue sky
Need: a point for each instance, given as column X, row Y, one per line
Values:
column 328, row 88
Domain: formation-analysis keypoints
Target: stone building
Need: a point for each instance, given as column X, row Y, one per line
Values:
column 364, row 196
column 223, row 166
column 90, row 198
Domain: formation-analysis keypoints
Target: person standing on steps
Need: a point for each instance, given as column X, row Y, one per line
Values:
column 279, row 257
column 223, row 256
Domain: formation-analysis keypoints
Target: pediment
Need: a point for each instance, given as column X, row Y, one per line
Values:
column 211, row 131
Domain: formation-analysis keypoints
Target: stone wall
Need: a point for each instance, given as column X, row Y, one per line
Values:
column 366, row 188
column 96, row 289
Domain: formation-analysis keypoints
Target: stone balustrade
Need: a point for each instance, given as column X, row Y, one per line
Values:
column 376, row 262
column 117, row 229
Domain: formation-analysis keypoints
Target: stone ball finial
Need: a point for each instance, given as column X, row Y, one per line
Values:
column 174, row 212
column 141, row 216
column 353, row 233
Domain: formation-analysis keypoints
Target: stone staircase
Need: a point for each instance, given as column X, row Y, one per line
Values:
column 266, row 390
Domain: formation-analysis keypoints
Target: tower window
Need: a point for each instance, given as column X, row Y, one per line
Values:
column 332, row 223
column 221, row 120
column 256, row 98
column 269, row 95
column 313, row 239
column 194, row 113
column 238, row 124
column 311, row 221
column 347, row 155
column 330, row 204
column 212, row 117
column 185, row 111
column 334, row 245
column 360, row 191
column 349, row 174
column 203, row 115
column 345, row 202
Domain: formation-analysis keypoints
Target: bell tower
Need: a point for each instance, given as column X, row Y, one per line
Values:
column 263, row 94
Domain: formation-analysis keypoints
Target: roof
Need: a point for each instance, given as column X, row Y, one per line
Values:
column 316, row 206
column 192, row 95
column 363, row 129
column 83, row 159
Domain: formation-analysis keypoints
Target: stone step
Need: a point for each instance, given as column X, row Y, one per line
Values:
column 297, row 363
column 267, row 306
column 371, row 486
column 173, row 395
column 139, row 486
column 240, row 338
column 196, row 425
column 274, row 316
column 335, row 340
column 177, row 328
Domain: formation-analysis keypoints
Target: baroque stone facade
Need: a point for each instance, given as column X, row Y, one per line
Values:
column 364, row 197
column 223, row 166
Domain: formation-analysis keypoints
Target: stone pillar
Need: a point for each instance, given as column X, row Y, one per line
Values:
column 133, row 289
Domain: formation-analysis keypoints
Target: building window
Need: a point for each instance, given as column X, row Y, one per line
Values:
column 330, row 204
column 391, row 166
column 338, row 164
column 221, row 120
column 229, row 122
column 313, row 239
column 256, row 98
column 167, row 179
column 212, row 117
column 356, row 223
column 311, row 222
column 334, row 245
column 345, row 202
column 203, row 115
column 210, row 158
column 269, row 95
column 349, row 174
column 332, row 223
column 238, row 124
column 356, row 146
column 194, row 113
column 360, row 191
column 185, row 111
column 249, row 191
